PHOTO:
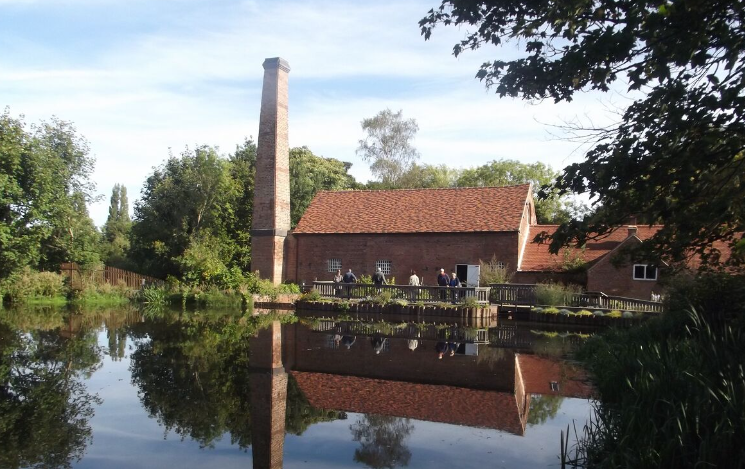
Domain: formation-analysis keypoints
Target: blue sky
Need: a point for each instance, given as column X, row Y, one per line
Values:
column 139, row 77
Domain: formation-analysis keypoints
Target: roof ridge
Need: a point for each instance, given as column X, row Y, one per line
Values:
column 424, row 189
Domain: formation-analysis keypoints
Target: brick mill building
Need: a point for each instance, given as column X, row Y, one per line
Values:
column 398, row 231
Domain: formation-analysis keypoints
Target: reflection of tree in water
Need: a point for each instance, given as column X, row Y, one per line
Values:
column 543, row 407
column 193, row 376
column 44, row 408
column 382, row 441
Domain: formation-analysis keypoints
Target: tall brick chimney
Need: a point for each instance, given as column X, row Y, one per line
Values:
column 271, row 210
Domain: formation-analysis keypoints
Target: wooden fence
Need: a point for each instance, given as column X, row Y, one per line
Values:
column 110, row 275
column 426, row 294
column 525, row 295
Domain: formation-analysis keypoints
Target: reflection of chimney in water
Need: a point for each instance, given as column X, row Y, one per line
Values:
column 268, row 386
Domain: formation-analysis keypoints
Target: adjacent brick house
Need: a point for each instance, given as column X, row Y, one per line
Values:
column 602, row 270
column 420, row 229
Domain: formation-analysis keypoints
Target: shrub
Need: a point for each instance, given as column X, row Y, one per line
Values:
column 400, row 302
column 366, row 279
column 538, row 309
column 614, row 314
column 564, row 312
column 551, row 310
column 311, row 295
column 29, row 283
column 471, row 302
column 383, row 298
column 554, row 294
column 627, row 315
column 598, row 313
column 491, row 272
column 583, row 312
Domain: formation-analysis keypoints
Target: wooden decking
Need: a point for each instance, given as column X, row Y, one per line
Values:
column 413, row 294
column 524, row 295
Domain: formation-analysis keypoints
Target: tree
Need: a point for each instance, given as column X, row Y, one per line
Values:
column 188, row 198
column 388, row 145
column 551, row 209
column 427, row 176
column 676, row 156
column 382, row 441
column 309, row 174
column 116, row 230
column 45, row 181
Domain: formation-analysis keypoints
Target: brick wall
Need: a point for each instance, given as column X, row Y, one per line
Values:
column 424, row 252
column 619, row 281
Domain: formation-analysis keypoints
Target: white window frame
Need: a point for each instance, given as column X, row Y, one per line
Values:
column 646, row 271
column 384, row 266
column 333, row 264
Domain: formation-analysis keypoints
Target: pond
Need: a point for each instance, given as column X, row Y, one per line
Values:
column 126, row 389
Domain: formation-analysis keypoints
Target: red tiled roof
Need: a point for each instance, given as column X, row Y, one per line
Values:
column 465, row 209
column 538, row 373
column 448, row 404
column 537, row 258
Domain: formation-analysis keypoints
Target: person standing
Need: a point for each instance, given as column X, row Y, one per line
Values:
column 454, row 284
column 443, row 281
column 338, row 279
column 349, row 278
column 378, row 279
column 414, row 282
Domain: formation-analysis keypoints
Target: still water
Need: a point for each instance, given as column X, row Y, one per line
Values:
column 123, row 389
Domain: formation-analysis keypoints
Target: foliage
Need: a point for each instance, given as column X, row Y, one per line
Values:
column 686, row 61
column 543, row 407
column 116, row 230
column 382, row 440
column 103, row 293
column 44, row 408
column 495, row 272
column 45, row 181
column 309, row 174
column 365, row 279
column 27, row 284
column 188, row 200
column 552, row 209
column 425, row 176
column 684, row 377
column 311, row 295
column 382, row 298
column 388, row 146
column 471, row 302
column 554, row 294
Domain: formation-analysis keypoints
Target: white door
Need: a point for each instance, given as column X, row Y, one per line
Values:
column 474, row 275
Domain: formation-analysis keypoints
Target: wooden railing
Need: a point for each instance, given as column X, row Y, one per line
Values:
column 403, row 331
column 525, row 295
column 426, row 294
column 110, row 275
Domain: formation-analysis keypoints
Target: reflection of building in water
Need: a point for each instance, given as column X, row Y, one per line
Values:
column 268, row 387
column 491, row 389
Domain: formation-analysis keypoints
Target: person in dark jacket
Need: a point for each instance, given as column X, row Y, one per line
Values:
column 454, row 284
column 378, row 279
column 348, row 278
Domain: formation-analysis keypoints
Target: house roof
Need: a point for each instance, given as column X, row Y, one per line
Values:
column 537, row 257
column 434, row 403
column 538, row 373
column 463, row 209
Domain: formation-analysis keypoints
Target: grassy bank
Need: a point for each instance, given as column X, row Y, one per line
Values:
column 672, row 391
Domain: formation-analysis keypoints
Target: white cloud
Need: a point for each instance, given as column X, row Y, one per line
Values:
column 193, row 76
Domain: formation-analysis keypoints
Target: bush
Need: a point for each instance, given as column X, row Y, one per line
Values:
column 598, row 313
column 614, row 314
column 551, row 310
column 555, row 294
column 28, row 284
column 491, row 272
column 627, row 315
column 583, row 312
column 383, row 298
column 684, row 378
column 311, row 295
column 471, row 302
column 538, row 309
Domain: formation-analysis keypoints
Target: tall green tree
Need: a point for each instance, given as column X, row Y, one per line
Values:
column 189, row 198
column 551, row 209
column 389, row 146
column 116, row 230
column 676, row 156
column 44, row 187
column 309, row 174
